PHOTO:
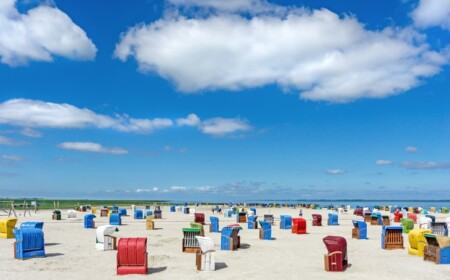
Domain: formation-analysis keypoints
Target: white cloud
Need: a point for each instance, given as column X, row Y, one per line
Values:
column 91, row 147
column 31, row 132
column 190, row 120
column 12, row 158
column 253, row 6
column 35, row 113
column 322, row 55
column 383, row 162
column 9, row 142
column 215, row 126
column 40, row 34
column 335, row 171
column 432, row 13
column 411, row 149
column 425, row 165
column 178, row 188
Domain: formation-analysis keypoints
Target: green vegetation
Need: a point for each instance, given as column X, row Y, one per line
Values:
column 71, row 203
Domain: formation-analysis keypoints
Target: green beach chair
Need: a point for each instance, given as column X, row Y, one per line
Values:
column 408, row 224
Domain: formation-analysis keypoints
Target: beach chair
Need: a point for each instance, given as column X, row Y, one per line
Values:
column 285, row 222
column 149, row 223
column 7, row 227
column 397, row 217
column 132, row 256
column 32, row 225
column 186, row 210
column 123, row 211
column 444, row 210
column 359, row 230
column 317, row 220
column 172, row 208
column 190, row 243
column 425, row 222
column 230, row 239
column 178, row 208
column 269, row 219
column 253, row 210
column 200, row 227
column 417, row 241
column 376, row 219
column 358, row 212
column 214, row 226
column 412, row 216
column 298, row 226
column 407, row 224
column 199, row 218
column 333, row 219
column 104, row 212
column 115, row 219
column 367, row 217
column 157, row 214
column 89, row 221
column 56, row 215
column 71, row 214
column 29, row 243
column 138, row 214
column 252, row 222
column 147, row 212
column 386, row 221
column 447, row 221
column 432, row 217
column 205, row 257
column 228, row 213
column 265, row 232
column 439, row 228
column 104, row 238
column 432, row 209
column 191, row 211
column 392, row 238
column 241, row 217
column 437, row 249
column 336, row 259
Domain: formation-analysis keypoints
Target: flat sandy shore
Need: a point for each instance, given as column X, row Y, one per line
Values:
column 71, row 252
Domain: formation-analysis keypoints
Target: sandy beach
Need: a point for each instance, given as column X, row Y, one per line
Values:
column 71, row 252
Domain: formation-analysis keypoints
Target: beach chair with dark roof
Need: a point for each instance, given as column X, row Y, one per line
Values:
column 149, row 223
column 359, row 230
column 252, row 222
column 199, row 218
column 417, row 241
column 32, row 225
column 285, row 222
column 298, row 226
column 376, row 219
column 317, row 220
column 132, row 256
column 407, row 224
column 265, row 232
column 29, row 243
column 437, row 249
column 7, row 227
column 230, row 239
column 336, row 259
column 89, row 221
column 157, row 214
column 205, row 257
column 333, row 219
column 56, row 215
column 190, row 244
column 439, row 228
column 214, row 225
column 412, row 216
column 241, row 217
column 392, row 238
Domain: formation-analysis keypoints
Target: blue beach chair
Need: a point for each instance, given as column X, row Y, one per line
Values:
column 360, row 229
column 32, row 225
column 265, row 232
column 89, row 221
column 214, row 226
column 286, row 222
column 138, row 214
column 333, row 219
column 29, row 243
column 115, row 219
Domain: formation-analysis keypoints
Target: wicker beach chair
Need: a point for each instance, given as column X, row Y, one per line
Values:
column 336, row 259
column 123, row 211
column 104, row 212
column 149, row 223
column 376, row 219
column 115, row 219
column 317, row 220
column 358, row 212
column 71, row 214
column 437, row 249
column 298, row 226
column 157, row 214
column 367, row 217
column 333, row 219
column 29, row 243
column 425, row 222
column 138, row 214
column 252, row 222
column 190, row 244
column 432, row 217
column 269, row 219
column 32, row 225
column 132, row 256
column 412, row 216
column 392, row 238
column 199, row 218
column 265, row 232
column 214, row 226
column 407, row 224
column 359, row 230
column 241, row 217
column 105, row 239
column 285, row 222
column 230, row 239
column 89, row 221
column 56, row 215
column 439, row 228
column 397, row 217
column 205, row 257
column 417, row 241
column 386, row 220
column 7, row 227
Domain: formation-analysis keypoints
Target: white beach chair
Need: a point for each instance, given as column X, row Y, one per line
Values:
column 191, row 210
column 71, row 214
column 178, row 208
column 250, row 213
column 425, row 222
column 206, row 259
column 447, row 220
column 104, row 239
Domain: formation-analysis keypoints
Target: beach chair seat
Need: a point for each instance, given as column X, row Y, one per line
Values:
column 265, row 232
column 115, row 219
column 149, row 223
column 132, row 256
column 104, row 212
column 359, row 230
column 407, row 224
column 439, row 228
column 7, row 227
column 89, row 221
column 138, row 214
column 367, row 217
column 285, row 222
column 199, row 218
column 32, row 225
column 214, row 225
column 241, row 217
column 417, row 241
column 392, row 238
column 230, row 239
column 252, row 222
column 205, row 257
column 385, row 220
column 317, row 220
column 298, row 226
column 269, row 218
column 376, row 219
column 336, row 259
column 123, row 211
column 412, row 216
column 189, row 243
column 397, row 217
column 425, row 222
column 29, row 243
column 358, row 212
column 437, row 249
column 105, row 239
column 71, row 214
column 333, row 219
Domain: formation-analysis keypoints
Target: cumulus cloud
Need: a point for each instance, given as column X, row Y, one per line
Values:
column 91, row 147
column 14, row 158
column 252, row 6
column 215, row 126
column 9, row 142
column 31, row 132
column 411, row 149
column 335, row 171
column 383, row 162
column 190, row 120
column 425, row 165
column 36, row 113
column 40, row 34
column 432, row 13
column 178, row 188
column 317, row 52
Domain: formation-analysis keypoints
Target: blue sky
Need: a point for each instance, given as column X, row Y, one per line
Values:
column 225, row 100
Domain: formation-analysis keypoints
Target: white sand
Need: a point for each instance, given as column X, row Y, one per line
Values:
column 71, row 252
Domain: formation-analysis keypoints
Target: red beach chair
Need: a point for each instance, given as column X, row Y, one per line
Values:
column 298, row 226
column 199, row 218
column 132, row 256
column 336, row 259
column 317, row 220
column 397, row 217
column 412, row 216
